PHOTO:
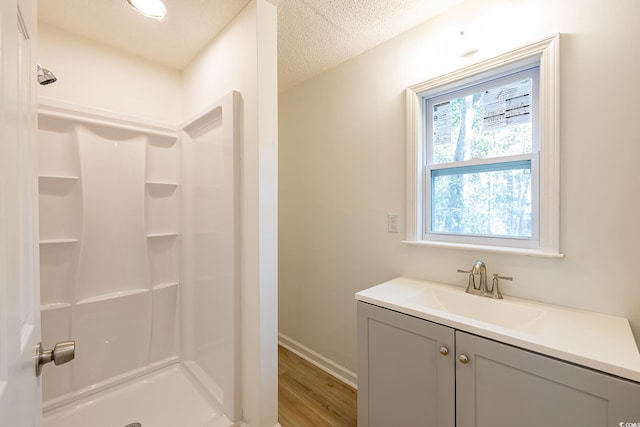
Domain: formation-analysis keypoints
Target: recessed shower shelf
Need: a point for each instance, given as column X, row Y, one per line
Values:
column 57, row 241
column 112, row 295
column 164, row 285
column 60, row 177
column 54, row 306
column 160, row 183
column 158, row 235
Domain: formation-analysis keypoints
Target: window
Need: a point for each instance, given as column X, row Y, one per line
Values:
column 481, row 162
column 483, row 158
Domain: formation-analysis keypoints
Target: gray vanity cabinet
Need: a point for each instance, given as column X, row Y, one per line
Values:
column 403, row 377
column 501, row 385
column 412, row 372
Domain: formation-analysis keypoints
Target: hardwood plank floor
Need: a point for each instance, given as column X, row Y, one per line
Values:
column 308, row 396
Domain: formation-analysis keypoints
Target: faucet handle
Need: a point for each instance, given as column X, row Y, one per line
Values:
column 495, row 287
column 471, row 285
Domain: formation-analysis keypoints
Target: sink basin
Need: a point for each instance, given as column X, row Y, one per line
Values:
column 497, row 312
column 577, row 336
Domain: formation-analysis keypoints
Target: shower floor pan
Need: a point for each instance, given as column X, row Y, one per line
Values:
column 165, row 398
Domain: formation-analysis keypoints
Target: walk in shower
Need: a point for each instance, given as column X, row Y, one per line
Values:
column 139, row 264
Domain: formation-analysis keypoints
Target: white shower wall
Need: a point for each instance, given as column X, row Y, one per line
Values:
column 210, row 263
column 125, row 259
column 242, row 57
column 109, row 253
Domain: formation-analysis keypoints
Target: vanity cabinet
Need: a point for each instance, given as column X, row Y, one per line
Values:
column 415, row 372
column 404, row 379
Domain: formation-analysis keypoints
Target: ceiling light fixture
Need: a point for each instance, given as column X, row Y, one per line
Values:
column 151, row 8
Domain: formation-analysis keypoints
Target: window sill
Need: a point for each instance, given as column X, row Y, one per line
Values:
column 482, row 248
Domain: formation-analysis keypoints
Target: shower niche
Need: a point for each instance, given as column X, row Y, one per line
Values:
column 139, row 249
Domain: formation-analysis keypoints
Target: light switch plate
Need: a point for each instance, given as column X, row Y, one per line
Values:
column 392, row 222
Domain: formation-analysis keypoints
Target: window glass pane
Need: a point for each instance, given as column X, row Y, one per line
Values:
column 492, row 200
column 490, row 122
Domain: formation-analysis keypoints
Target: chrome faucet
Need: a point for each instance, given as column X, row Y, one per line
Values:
column 480, row 269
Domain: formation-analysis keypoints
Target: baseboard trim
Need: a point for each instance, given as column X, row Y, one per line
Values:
column 327, row 365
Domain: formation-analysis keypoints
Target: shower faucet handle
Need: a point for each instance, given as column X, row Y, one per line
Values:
column 63, row 352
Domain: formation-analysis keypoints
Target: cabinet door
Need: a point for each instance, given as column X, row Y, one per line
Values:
column 504, row 386
column 403, row 378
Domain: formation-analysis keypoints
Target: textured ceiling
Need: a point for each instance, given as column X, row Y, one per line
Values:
column 313, row 35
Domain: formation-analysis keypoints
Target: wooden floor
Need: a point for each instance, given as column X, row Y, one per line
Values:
column 308, row 396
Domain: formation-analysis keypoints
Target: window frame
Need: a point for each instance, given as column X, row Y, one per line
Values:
column 434, row 97
column 545, row 55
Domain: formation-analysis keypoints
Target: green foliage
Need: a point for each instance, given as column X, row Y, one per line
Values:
column 491, row 203
column 480, row 144
column 484, row 203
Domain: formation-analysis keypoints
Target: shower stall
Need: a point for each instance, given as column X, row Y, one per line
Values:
column 139, row 262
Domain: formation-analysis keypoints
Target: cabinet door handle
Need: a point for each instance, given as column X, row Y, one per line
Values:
column 463, row 359
column 444, row 350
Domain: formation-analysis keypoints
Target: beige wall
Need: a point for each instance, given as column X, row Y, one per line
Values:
column 342, row 169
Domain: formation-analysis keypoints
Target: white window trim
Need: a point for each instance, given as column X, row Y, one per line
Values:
column 546, row 52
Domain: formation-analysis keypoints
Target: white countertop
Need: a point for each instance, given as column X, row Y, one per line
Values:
column 594, row 340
